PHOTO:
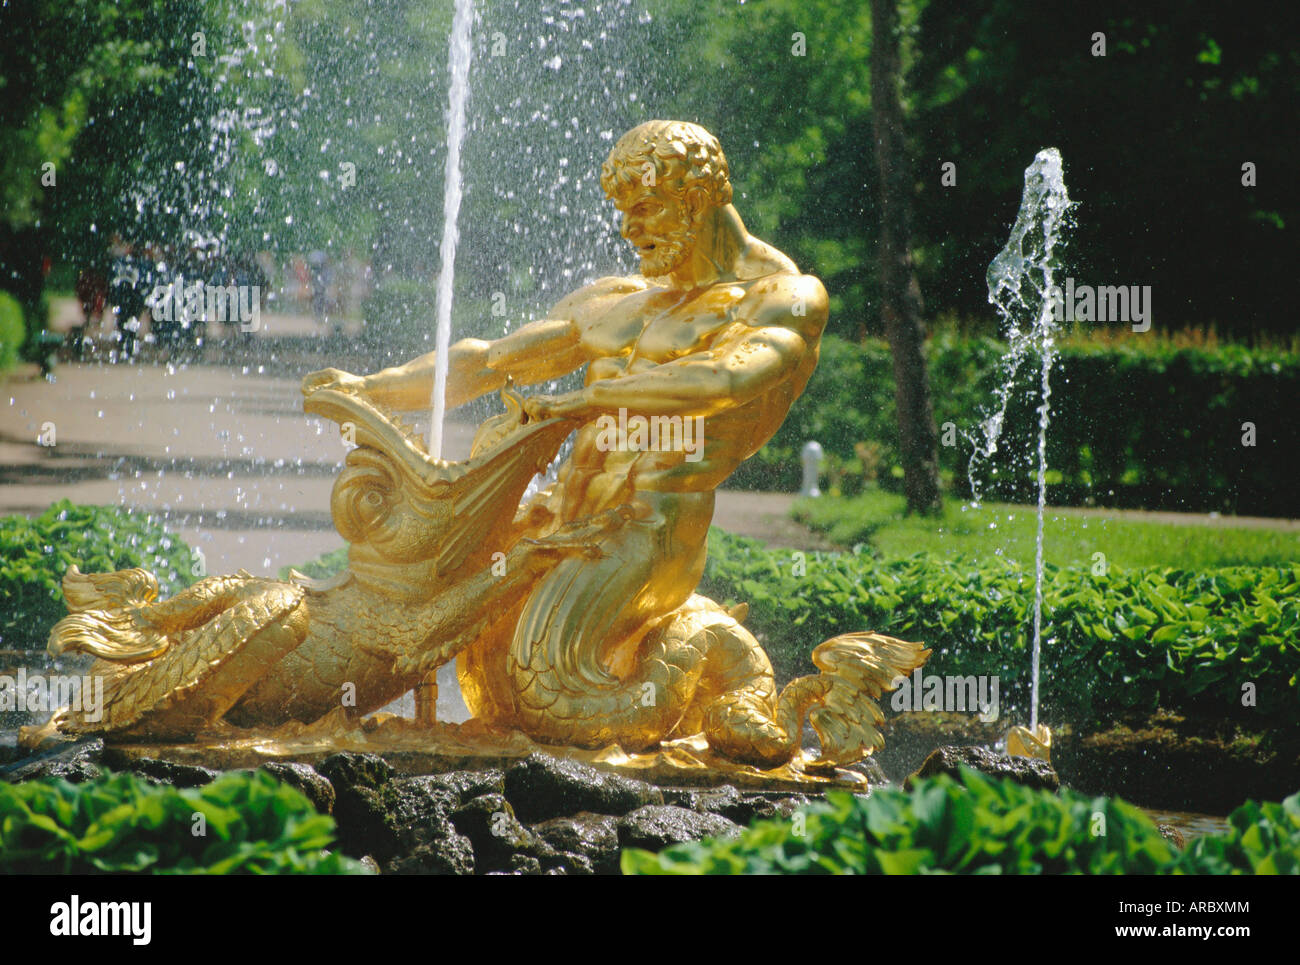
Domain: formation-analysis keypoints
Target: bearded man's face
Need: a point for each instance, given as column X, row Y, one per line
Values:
column 661, row 227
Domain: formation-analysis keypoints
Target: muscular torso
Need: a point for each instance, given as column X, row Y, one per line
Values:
column 628, row 328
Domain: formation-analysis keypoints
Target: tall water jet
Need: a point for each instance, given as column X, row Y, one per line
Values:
column 458, row 66
column 1021, row 285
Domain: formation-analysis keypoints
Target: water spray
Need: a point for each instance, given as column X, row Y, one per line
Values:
column 458, row 65
column 1021, row 282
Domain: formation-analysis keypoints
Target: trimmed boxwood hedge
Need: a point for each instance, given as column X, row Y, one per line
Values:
column 1132, row 640
column 1135, row 423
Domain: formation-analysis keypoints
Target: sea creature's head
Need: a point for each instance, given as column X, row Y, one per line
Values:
column 376, row 504
column 412, row 520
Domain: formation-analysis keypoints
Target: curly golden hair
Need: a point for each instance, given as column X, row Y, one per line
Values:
column 683, row 157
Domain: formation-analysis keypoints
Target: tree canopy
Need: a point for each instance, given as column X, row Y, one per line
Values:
column 319, row 124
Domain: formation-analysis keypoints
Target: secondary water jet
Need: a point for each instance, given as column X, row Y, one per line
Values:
column 1021, row 280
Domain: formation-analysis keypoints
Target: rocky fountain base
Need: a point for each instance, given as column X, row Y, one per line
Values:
column 415, row 747
column 532, row 814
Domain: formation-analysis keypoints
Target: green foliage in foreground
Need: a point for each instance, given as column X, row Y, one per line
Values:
column 983, row 826
column 1135, row 639
column 878, row 520
column 1262, row 839
column 119, row 823
column 35, row 553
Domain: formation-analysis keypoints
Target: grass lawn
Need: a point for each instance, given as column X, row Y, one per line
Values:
column 876, row 519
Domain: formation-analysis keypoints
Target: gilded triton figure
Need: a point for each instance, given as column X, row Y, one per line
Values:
column 718, row 324
column 610, row 644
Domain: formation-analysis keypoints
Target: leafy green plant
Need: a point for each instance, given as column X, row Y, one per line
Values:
column 35, row 553
column 119, row 823
column 323, row 567
column 1134, row 639
column 1262, row 839
column 941, row 826
column 1131, row 640
column 978, row 825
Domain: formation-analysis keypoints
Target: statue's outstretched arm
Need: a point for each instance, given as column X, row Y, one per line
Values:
column 409, row 387
column 537, row 352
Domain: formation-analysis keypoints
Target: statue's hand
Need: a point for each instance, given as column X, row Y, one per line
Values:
column 332, row 379
column 570, row 405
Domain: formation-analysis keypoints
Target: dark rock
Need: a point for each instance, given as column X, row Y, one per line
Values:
column 449, row 855
column 910, row 737
column 349, row 770
column 655, row 827
column 162, row 772
column 523, row 864
column 542, row 787
column 762, row 806
column 567, row 863
column 305, row 778
column 467, row 785
column 1172, row 835
column 393, row 821
column 496, row 834
column 591, row 836
column 416, row 805
column 735, row 806
column 74, row 772
column 74, row 761
column 361, row 824
column 712, row 800
column 1024, row 770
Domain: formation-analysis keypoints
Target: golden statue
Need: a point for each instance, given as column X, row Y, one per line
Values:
column 574, row 618
column 1036, row 743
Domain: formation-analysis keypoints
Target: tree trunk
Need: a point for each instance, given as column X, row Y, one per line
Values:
column 901, row 306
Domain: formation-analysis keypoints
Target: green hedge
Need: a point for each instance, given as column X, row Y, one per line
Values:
column 35, row 553
column 241, row 823
column 1131, row 640
column 13, row 332
column 321, row 568
column 981, row 826
column 1135, row 423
